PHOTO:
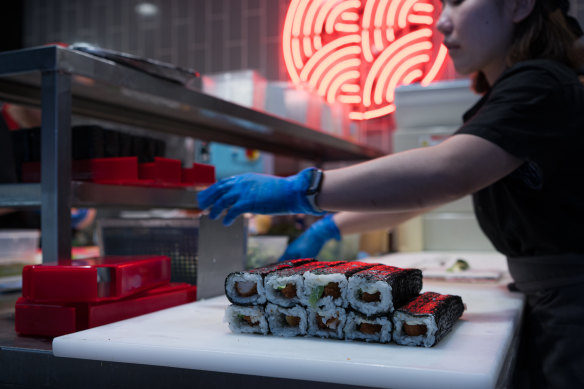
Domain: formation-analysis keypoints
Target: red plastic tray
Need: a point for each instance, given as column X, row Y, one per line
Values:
column 94, row 279
column 163, row 172
column 39, row 319
column 199, row 175
column 114, row 171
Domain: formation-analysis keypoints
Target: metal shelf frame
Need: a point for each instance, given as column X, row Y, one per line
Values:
column 63, row 82
column 89, row 194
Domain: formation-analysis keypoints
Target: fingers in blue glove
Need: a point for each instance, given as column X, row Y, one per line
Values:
column 223, row 203
column 207, row 197
column 233, row 213
column 311, row 242
column 258, row 193
column 77, row 216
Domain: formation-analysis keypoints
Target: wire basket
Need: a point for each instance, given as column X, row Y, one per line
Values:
column 175, row 238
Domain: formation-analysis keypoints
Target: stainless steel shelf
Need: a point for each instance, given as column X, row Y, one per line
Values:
column 65, row 82
column 20, row 195
column 88, row 194
column 105, row 90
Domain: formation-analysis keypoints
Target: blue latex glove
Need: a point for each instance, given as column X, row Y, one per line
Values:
column 77, row 216
column 258, row 193
column 309, row 244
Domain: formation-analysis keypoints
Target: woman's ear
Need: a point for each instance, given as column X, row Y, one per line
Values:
column 522, row 9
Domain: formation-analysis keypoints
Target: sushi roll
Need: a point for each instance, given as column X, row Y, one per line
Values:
column 246, row 320
column 247, row 287
column 283, row 287
column 287, row 321
column 327, row 287
column 377, row 329
column 326, row 322
column 378, row 290
column 427, row 319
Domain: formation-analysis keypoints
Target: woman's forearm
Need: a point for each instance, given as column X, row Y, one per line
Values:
column 418, row 178
column 359, row 222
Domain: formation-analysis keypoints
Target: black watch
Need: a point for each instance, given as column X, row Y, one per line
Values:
column 314, row 188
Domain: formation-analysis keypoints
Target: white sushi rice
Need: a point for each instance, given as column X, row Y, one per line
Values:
column 337, row 316
column 354, row 320
column 246, row 280
column 400, row 337
column 277, row 320
column 315, row 283
column 234, row 317
column 359, row 285
column 274, row 283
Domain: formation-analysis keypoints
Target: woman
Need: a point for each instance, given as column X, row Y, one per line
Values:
column 517, row 153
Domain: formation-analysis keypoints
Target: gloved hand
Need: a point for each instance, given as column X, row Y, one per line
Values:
column 78, row 216
column 258, row 193
column 309, row 244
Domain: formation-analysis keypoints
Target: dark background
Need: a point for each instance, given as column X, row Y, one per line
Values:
column 11, row 25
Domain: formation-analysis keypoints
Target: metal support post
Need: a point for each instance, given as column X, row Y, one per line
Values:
column 56, row 167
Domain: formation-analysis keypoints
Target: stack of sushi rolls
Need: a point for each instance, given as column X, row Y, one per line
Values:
column 325, row 296
column 246, row 291
column 339, row 300
column 247, row 287
column 283, row 291
column 426, row 319
column 372, row 294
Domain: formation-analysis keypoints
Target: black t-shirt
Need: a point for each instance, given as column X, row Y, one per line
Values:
column 535, row 111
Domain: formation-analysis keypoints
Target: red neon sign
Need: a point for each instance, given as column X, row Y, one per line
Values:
column 358, row 52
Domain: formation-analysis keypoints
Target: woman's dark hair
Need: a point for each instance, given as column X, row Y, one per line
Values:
column 544, row 34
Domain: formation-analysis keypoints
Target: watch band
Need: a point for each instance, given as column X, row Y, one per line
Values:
column 314, row 188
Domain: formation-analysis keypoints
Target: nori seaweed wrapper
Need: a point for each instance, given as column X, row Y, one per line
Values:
column 406, row 284
column 435, row 304
column 288, row 271
column 445, row 308
column 265, row 270
column 346, row 268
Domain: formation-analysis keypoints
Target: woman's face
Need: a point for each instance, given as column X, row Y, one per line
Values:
column 478, row 34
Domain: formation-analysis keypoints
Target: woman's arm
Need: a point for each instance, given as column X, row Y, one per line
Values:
column 417, row 179
column 413, row 180
column 309, row 244
column 358, row 222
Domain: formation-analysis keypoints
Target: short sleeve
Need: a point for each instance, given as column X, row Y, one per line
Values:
column 520, row 112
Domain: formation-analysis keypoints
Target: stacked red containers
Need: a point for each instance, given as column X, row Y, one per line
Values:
column 58, row 300
column 163, row 172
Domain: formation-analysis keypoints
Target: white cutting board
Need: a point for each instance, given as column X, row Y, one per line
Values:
column 194, row 336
